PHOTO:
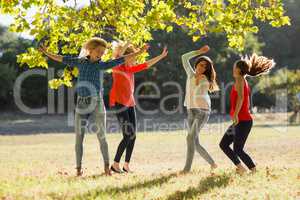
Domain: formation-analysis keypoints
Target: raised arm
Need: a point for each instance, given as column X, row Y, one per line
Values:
column 147, row 64
column 157, row 58
column 132, row 56
column 188, row 56
column 121, row 60
column 68, row 60
column 52, row 56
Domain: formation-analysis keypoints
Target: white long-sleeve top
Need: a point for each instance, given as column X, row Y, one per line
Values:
column 196, row 95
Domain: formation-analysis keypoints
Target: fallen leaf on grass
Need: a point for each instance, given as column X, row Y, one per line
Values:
column 62, row 173
column 270, row 175
column 274, row 176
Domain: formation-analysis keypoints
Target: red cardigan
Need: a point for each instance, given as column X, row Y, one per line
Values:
column 122, row 90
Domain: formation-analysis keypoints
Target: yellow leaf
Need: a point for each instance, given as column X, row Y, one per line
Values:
column 75, row 72
column 196, row 38
column 55, row 83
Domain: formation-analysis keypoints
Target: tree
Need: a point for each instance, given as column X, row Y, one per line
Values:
column 7, row 78
column 34, row 90
column 286, row 80
column 10, row 46
column 283, row 44
column 64, row 28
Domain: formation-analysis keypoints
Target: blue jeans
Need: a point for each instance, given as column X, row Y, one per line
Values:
column 90, row 116
column 197, row 118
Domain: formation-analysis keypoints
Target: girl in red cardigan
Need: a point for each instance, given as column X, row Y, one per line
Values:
column 122, row 98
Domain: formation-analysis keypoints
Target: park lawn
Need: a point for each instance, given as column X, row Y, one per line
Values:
column 42, row 167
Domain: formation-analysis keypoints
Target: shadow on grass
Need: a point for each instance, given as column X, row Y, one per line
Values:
column 126, row 188
column 203, row 187
column 90, row 177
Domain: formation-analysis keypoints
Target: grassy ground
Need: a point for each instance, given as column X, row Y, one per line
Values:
column 42, row 167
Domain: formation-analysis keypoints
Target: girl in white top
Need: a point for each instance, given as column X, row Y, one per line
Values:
column 199, row 82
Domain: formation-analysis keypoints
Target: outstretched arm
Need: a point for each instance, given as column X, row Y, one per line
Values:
column 188, row 56
column 121, row 60
column 132, row 56
column 147, row 64
column 157, row 58
column 110, row 64
column 55, row 57
column 68, row 60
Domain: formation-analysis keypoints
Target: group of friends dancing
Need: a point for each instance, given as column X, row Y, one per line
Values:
column 201, row 80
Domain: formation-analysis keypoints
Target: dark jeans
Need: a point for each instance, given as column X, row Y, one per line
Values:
column 127, row 119
column 238, row 136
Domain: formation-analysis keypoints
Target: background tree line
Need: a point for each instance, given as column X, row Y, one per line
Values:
column 281, row 44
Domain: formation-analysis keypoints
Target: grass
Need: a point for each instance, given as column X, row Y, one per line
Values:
column 42, row 167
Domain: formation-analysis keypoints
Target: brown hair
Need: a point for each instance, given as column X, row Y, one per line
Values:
column 130, row 49
column 210, row 73
column 255, row 65
column 94, row 43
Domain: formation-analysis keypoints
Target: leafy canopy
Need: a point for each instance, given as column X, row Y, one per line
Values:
column 65, row 26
